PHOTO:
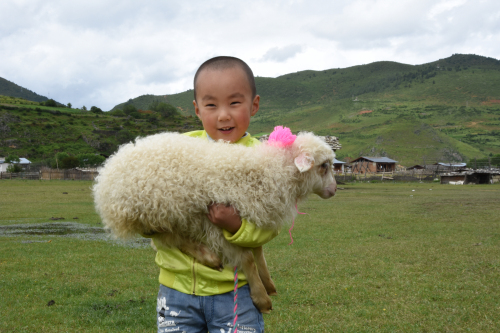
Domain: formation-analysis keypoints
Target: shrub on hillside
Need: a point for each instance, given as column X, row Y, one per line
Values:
column 90, row 160
column 167, row 110
column 50, row 102
column 117, row 113
column 124, row 136
column 95, row 109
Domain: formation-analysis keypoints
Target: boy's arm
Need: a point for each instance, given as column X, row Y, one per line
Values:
column 236, row 230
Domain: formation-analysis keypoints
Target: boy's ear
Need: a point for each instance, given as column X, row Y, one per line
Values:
column 255, row 105
column 196, row 109
column 304, row 162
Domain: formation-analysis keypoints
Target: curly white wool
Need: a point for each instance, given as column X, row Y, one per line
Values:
column 165, row 182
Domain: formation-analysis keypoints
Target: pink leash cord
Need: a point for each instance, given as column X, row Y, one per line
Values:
column 235, row 311
column 293, row 223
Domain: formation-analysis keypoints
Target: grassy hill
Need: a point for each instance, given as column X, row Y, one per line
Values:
column 39, row 132
column 445, row 110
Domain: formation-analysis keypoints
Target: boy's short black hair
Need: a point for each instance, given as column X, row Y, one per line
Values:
column 225, row 62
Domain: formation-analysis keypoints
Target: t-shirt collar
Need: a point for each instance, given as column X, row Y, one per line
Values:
column 212, row 140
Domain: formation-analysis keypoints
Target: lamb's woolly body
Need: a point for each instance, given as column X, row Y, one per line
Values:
column 165, row 182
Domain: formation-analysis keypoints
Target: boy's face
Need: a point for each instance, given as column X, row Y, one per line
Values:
column 224, row 103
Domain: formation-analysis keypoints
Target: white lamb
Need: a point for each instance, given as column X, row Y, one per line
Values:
column 163, row 184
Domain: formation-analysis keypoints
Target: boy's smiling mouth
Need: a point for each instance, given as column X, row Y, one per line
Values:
column 226, row 129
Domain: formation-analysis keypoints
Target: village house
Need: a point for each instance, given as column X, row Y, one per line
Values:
column 24, row 163
column 338, row 166
column 470, row 176
column 366, row 164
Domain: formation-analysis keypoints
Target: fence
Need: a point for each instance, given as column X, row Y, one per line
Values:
column 71, row 174
column 20, row 175
column 52, row 174
column 399, row 176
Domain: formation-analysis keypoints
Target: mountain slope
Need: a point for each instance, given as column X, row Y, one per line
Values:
column 8, row 88
column 378, row 109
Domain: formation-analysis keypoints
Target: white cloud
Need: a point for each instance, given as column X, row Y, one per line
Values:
column 280, row 54
column 104, row 52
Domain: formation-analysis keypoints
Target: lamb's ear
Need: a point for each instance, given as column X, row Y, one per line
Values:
column 304, row 162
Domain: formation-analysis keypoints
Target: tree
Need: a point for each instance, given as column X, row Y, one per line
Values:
column 95, row 109
column 50, row 102
column 166, row 110
column 90, row 160
column 14, row 163
column 58, row 159
column 69, row 162
column 12, row 159
column 84, row 108
column 69, row 105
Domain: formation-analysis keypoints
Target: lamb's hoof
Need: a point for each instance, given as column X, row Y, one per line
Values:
column 266, row 311
column 270, row 289
column 265, row 305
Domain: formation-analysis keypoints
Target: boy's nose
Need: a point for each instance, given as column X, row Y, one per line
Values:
column 224, row 115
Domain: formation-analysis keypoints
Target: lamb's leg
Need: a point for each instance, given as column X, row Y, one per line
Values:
column 264, row 274
column 257, row 291
column 197, row 250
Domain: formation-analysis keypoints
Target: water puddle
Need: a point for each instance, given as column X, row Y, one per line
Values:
column 66, row 229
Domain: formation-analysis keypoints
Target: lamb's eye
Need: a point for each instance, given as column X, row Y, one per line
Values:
column 324, row 165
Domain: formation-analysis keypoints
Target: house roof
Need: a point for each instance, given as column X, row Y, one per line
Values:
column 335, row 161
column 22, row 160
column 375, row 159
column 417, row 166
column 456, row 165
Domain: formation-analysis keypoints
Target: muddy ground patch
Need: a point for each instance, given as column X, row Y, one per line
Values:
column 35, row 231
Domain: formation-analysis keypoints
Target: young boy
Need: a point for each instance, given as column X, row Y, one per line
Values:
column 193, row 297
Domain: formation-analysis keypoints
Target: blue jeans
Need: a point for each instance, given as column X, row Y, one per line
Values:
column 184, row 313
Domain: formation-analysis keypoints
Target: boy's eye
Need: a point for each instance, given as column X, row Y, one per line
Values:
column 210, row 105
column 235, row 102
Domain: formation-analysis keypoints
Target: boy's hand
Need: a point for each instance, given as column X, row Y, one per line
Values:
column 226, row 217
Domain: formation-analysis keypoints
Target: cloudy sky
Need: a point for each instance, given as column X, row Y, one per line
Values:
column 103, row 52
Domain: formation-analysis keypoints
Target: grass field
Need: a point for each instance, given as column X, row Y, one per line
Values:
column 376, row 258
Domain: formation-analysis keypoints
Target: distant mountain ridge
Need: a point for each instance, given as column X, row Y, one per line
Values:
column 444, row 111
column 448, row 109
column 312, row 86
column 8, row 88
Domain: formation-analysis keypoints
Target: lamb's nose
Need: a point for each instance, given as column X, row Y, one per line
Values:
column 332, row 189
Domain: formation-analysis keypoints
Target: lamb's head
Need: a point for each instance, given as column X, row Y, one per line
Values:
column 313, row 158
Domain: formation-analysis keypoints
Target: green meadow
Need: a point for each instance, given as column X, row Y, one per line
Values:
column 384, row 257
